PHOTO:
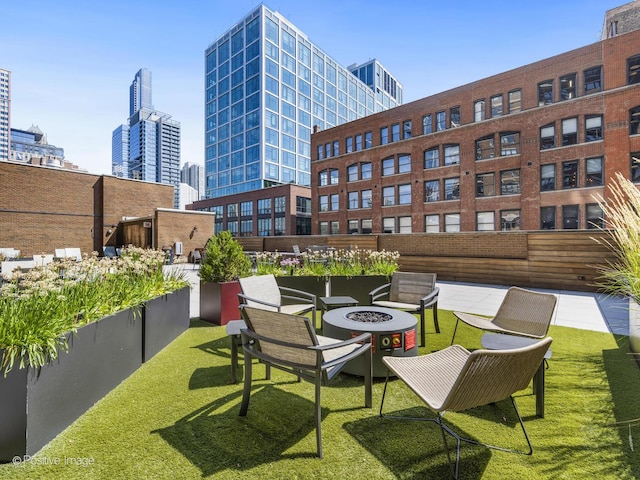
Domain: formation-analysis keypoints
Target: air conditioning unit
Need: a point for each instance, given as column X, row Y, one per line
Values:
column 177, row 248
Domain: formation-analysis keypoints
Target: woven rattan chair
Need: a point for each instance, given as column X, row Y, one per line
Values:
column 262, row 291
column 414, row 292
column 289, row 343
column 455, row 379
column 522, row 312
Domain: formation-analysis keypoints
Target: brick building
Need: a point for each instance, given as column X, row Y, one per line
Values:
column 525, row 149
column 279, row 210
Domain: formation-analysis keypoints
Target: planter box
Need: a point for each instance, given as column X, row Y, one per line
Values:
column 311, row 284
column 38, row 404
column 164, row 318
column 634, row 329
column 219, row 302
column 357, row 287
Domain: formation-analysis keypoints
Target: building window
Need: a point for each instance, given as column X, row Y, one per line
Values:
column 404, row 194
column 568, row 87
column 333, row 177
column 366, row 225
column 432, row 191
column 593, row 80
column 303, row 205
column 335, row 227
column 406, row 129
column 633, row 70
column 358, row 142
column 404, row 163
column 353, row 200
column 509, row 220
column 365, row 171
column 515, row 101
column 452, row 222
column 496, row 106
column 485, row 185
column 324, row 228
column 595, row 216
column 323, row 203
column 510, row 182
column 427, row 126
column 280, row 204
column 246, row 209
column 246, row 228
column 547, row 136
column 593, row 128
column 570, row 131
column 545, row 93
column 264, row 227
column 336, row 148
column 279, row 224
column 432, row 223
column 395, row 132
column 264, row 206
column 365, row 197
column 485, row 221
column 451, row 154
column 634, row 121
column 547, row 177
column 478, row 111
column 349, row 144
column 452, row 188
column 454, row 117
column 441, row 121
column 323, row 178
column 384, row 135
column 548, row 218
column 570, row 217
column 635, row 166
column 388, row 166
column 432, row 158
column 509, row 143
column 388, row 196
column 352, row 227
column 352, row 173
column 327, row 150
column 594, row 177
column 335, row 204
column 232, row 210
column 368, row 140
column 570, row 174
column 404, row 224
column 389, row 225
column 485, row 148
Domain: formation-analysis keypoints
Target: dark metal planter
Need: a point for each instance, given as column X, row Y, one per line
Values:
column 219, row 302
column 357, row 286
column 165, row 318
column 38, row 404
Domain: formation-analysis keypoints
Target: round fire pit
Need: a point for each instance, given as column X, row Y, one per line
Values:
column 393, row 332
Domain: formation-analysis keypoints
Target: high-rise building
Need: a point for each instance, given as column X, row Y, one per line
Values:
column 267, row 88
column 193, row 175
column 148, row 147
column 5, row 113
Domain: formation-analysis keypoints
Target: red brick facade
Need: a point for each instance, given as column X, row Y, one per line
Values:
column 518, row 159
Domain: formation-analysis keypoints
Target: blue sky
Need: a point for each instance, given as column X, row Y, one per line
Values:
column 72, row 61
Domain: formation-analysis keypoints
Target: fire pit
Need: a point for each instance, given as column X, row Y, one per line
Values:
column 393, row 332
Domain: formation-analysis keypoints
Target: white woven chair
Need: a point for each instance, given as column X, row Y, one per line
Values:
column 455, row 379
column 289, row 343
column 262, row 291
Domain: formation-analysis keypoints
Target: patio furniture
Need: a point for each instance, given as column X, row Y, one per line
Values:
column 262, row 291
column 289, row 343
column 455, row 379
column 412, row 292
column 72, row 253
column 110, row 252
column 522, row 312
column 234, row 330
column 196, row 258
column 8, row 253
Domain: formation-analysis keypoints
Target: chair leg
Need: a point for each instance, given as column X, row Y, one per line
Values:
column 318, row 414
column 246, row 392
column 368, row 378
column 454, row 330
column 423, row 335
column 435, row 317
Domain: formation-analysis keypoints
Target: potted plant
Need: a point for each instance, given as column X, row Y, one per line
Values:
column 223, row 263
column 621, row 276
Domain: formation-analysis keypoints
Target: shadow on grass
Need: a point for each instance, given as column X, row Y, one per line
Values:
column 623, row 376
column 214, row 438
column 415, row 449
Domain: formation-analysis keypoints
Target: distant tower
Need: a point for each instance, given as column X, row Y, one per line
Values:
column 5, row 113
column 120, row 152
column 140, row 92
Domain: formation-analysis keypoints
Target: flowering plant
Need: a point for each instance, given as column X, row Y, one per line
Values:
column 38, row 307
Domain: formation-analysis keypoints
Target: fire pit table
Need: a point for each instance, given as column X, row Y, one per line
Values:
column 393, row 332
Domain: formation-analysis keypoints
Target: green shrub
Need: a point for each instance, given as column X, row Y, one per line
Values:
column 224, row 260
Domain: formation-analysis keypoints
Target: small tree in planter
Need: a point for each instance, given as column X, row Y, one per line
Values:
column 224, row 262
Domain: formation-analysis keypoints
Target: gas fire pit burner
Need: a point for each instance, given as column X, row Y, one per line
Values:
column 369, row 316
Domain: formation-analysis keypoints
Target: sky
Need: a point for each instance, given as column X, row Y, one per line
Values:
column 72, row 61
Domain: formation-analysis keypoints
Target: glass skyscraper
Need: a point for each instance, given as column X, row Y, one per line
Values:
column 5, row 113
column 267, row 87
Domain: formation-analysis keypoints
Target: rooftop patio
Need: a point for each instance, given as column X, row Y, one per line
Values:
column 177, row 416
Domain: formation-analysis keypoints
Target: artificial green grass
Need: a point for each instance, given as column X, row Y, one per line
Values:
column 177, row 417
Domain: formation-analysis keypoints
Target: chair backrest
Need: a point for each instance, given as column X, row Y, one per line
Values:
column 42, row 260
column 492, row 375
column 296, row 249
column 261, row 287
column 109, row 251
column 527, row 312
column 60, row 253
column 282, row 327
column 409, row 287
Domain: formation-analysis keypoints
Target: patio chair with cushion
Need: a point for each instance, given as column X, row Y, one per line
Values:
column 289, row 343
column 411, row 292
column 262, row 291
column 522, row 312
column 455, row 379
